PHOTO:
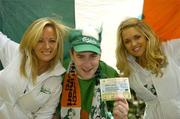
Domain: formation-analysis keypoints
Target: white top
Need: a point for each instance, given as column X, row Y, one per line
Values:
column 19, row 98
column 166, row 105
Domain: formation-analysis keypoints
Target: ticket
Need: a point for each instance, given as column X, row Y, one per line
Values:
column 111, row 87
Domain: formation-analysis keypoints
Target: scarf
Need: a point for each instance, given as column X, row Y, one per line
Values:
column 71, row 98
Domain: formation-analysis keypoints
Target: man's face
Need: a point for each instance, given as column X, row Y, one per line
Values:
column 86, row 63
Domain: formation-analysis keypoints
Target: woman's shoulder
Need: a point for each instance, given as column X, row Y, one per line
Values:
column 59, row 69
column 171, row 45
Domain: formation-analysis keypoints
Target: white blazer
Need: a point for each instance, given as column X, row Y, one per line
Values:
column 19, row 98
column 166, row 105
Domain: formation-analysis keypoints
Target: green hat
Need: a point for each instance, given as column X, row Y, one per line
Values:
column 85, row 40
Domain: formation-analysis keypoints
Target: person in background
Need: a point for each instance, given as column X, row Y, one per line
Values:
column 81, row 85
column 30, row 82
column 152, row 67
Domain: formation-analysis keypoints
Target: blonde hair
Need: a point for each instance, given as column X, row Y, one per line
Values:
column 30, row 40
column 154, row 55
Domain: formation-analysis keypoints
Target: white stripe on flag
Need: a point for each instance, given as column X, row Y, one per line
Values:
column 110, row 13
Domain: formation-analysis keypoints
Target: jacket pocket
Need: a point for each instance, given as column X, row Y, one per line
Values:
column 34, row 100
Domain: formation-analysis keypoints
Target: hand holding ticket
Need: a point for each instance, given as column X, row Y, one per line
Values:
column 111, row 87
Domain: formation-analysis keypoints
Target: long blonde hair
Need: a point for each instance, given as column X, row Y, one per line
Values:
column 29, row 42
column 154, row 55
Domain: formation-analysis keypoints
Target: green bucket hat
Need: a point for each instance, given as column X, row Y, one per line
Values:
column 83, row 41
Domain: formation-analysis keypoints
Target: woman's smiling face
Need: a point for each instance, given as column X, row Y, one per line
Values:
column 47, row 46
column 134, row 41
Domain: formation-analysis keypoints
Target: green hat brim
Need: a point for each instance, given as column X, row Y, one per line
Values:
column 86, row 48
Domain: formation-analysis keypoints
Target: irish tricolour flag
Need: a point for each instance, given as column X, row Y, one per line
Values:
column 162, row 15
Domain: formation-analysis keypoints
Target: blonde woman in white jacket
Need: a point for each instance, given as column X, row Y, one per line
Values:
column 30, row 83
column 153, row 68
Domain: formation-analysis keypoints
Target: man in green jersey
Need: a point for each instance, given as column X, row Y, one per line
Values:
column 81, row 89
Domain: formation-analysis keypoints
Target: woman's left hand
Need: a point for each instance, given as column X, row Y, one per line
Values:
column 121, row 107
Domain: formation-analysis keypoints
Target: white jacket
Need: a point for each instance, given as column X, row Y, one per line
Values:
column 166, row 105
column 19, row 98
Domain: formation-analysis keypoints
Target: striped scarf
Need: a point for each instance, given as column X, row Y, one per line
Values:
column 71, row 98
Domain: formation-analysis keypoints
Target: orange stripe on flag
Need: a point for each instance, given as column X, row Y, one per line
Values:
column 164, row 17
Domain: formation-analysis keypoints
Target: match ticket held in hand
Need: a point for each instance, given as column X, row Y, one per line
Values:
column 112, row 87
